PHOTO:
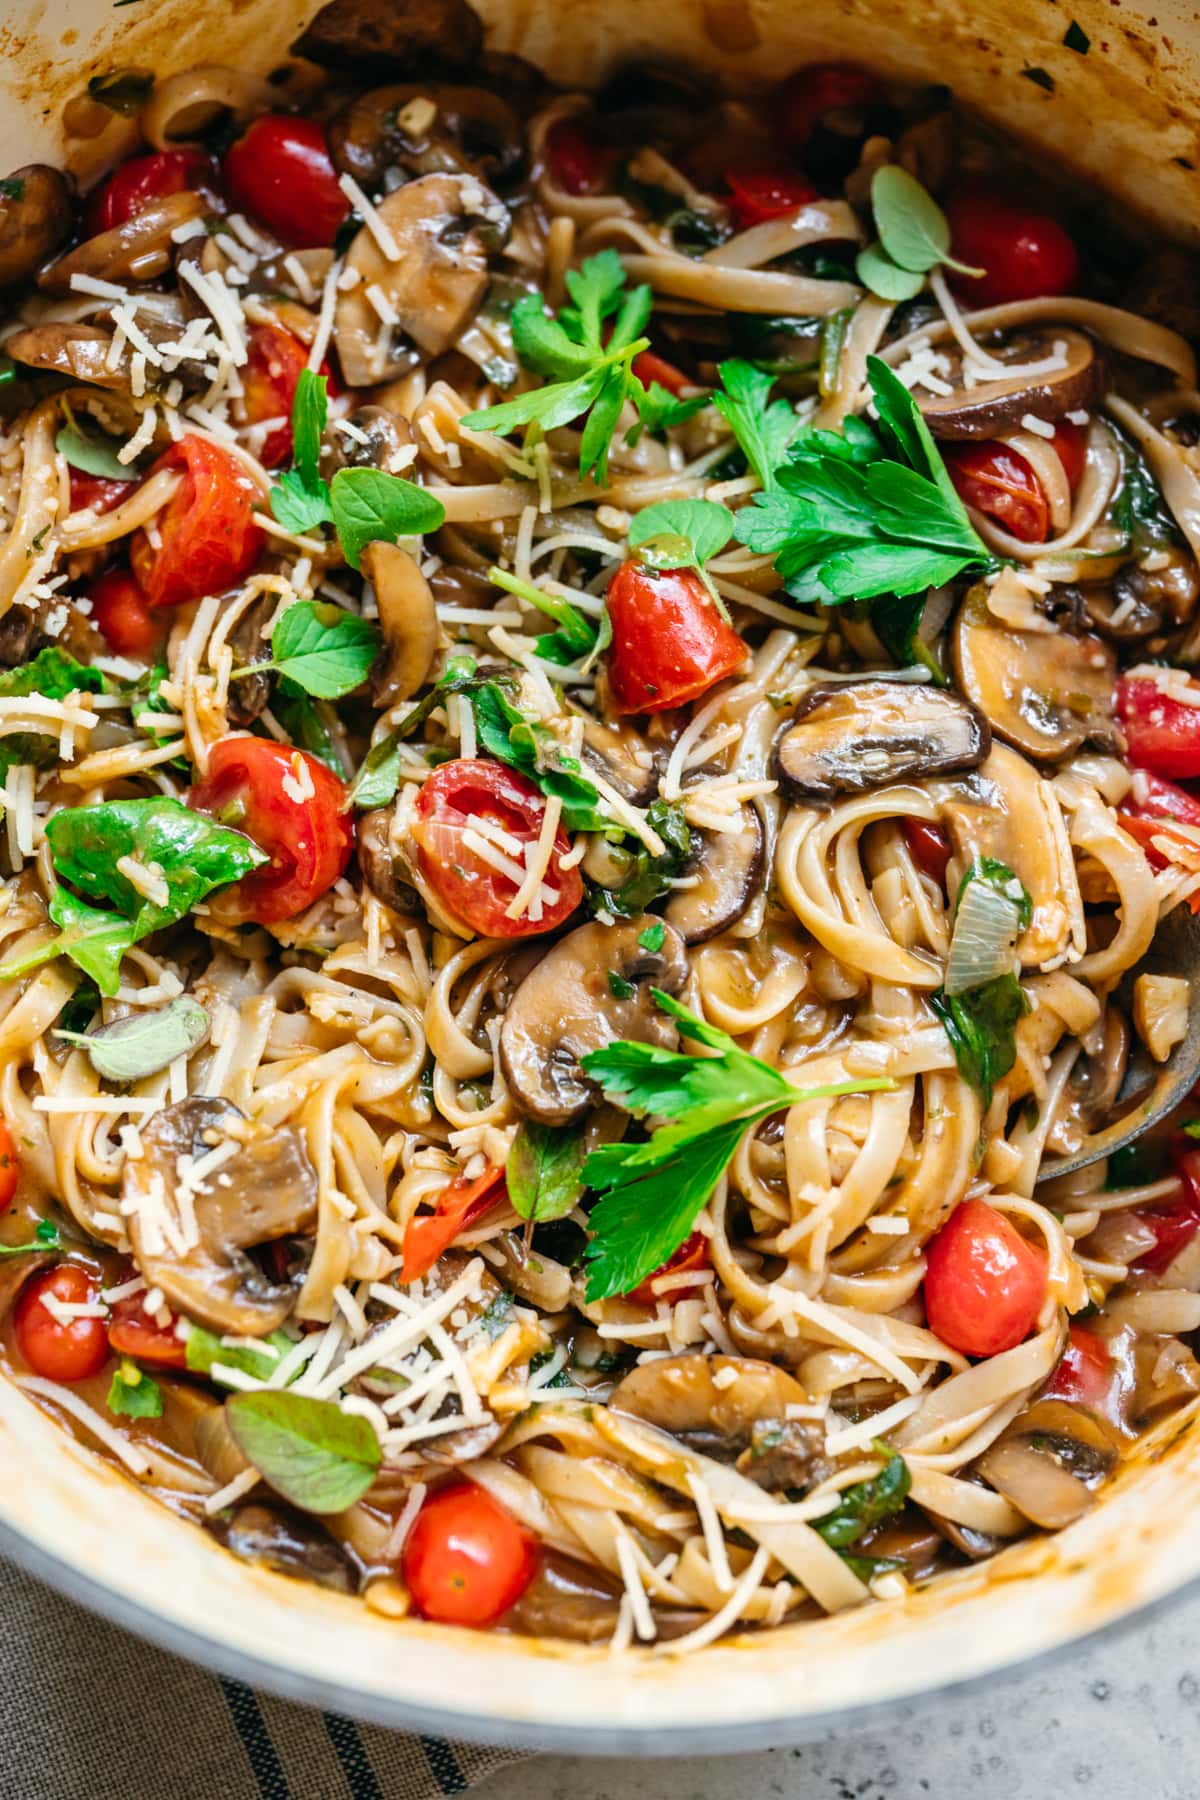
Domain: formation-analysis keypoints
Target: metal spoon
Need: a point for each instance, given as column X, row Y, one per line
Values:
column 1156, row 1087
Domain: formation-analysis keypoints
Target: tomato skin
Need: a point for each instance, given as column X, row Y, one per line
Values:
column 1176, row 1224
column 458, row 1207
column 209, row 540
column 1163, row 735
column 308, row 840
column 1024, row 254
column 1000, row 483
column 984, row 1284
column 762, row 191
column 577, row 164
column 465, row 883
column 281, row 173
column 670, row 644
column 467, row 1560
column 98, row 492
column 131, row 188
column 929, row 847
column 819, row 89
column 1151, row 797
column 1085, row 1370
column 648, row 368
column 691, row 1257
column 10, row 1166
column 60, row 1352
column 132, row 1332
column 275, row 361
column 123, row 615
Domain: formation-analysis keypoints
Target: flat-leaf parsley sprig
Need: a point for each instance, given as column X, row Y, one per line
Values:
column 653, row 1191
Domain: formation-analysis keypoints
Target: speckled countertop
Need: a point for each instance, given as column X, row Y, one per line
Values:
column 1118, row 1720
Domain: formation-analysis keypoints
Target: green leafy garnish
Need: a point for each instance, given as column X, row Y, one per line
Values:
column 659, row 410
column 142, row 1043
column 544, row 1170
column 323, row 649
column 378, row 778
column 849, row 517
column 505, row 733
column 998, row 875
column 132, row 1394
column 867, row 1503
column 981, row 1025
column 763, row 427
column 1139, row 511
column 654, row 1190
column 897, row 621
column 576, row 635
column 44, row 1238
column 310, row 1451
column 652, row 938
column 207, row 1354
column 307, row 724
column 914, row 237
column 52, row 674
column 649, row 877
column 681, row 534
column 94, row 455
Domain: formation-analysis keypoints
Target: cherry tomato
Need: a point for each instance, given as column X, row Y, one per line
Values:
column 281, row 173
column 999, row 482
column 457, row 798
column 1177, row 1223
column 929, row 847
column 1151, row 797
column 69, row 1352
column 10, row 1167
column 809, row 94
column 208, row 538
column 690, row 1258
column 458, row 1207
column 984, row 1284
column 130, row 189
column 293, row 807
column 467, row 1560
column 1085, row 1371
column 649, row 368
column 98, row 492
column 275, row 361
column 670, row 643
column 1024, row 254
column 132, row 1332
column 123, row 615
column 577, row 164
column 763, row 191
column 1163, row 735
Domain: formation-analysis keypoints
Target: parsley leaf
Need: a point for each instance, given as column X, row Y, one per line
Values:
column 323, row 649
column 653, row 1190
column 132, row 1394
column 658, row 409
column 298, row 505
column 981, row 1025
column 310, row 408
column 544, row 1170
column 763, row 427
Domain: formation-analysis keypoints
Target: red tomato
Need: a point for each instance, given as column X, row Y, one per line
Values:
column 467, row 1560
column 130, row 189
column 577, row 164
column 453, row 800
column 10, row 1167
column 68, row 1352
column 1024, row 254
column 929, row 847
column 670, row 644
column 1085, row 1371
column 293, row 807
column 99, row 492
column 208, row 538
column 1151, row 797
column 690, row 1258
column 122, row 614
column 763, row 191
column 458, row 1207
column 1175, row 1224
column 822, row 88
column 280, row 172
column 997, row 481
column 274, row 363
column 1163, row 735
column 984, row 1284
column 132, row 1332
column 648, row 368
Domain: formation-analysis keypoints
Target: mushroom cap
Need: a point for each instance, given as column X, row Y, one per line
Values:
column 141, row 249
column 407, row 620
column 470, row 129
column 848, row 737
column 372, row 35
column 727, row 868
column 74, row 349
column 37, row 210
column 991, row 408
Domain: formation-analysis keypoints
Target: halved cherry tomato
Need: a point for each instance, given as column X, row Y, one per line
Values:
column 984, row 1284
column 123, row 615
column 1024, row 254
column 670, row 644
column 98, row 492
column 132, row 1332
column 648, row 367
column 929, row 846
column 293, row 807
column 1151, row 809
column 467, row 1560
column 275, row 361
column 1163, row 735
column 1175, row 1224
column 763, row 191
column 690, row 1258
column 809, row 94
column 130, row 189
column 456, row 799
column 280, row 172
column 207, row 536
column 999, row 482
column 10, row 1167
column 1086, row 1371
column 458, row 1207
column 60, row 1352
column 577, row 163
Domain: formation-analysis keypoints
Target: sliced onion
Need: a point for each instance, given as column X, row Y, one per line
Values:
column 985, row 936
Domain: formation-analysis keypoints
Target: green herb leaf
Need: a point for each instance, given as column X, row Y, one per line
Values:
column 544, row 1170
column 53, row 675
column 998, row 875
column 659, row 410
column 323, row 649
column 652, row 938
column 94, row 455
column 207, row 1355
column 680, row 534
column 310, row 408
column 867, row 1503
column 310, row 1451
column 763, row 427
column 132, row 1394
column 897, row 621
column 912, row 226
column 44, row 1238
column 143, row 1043
column 123, row 91
column 649, row 877
column 577, row 632
column 379, row 776
column 370, row 507
column 876, row 270
column 981, row 1026
column 307, row 724
column 300, row 506
column 505, row 733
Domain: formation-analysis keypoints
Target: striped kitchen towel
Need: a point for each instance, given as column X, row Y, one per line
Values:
column 91, row 1713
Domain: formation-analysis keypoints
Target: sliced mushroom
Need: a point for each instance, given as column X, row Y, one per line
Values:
column 1050, row 1462
column 407, row 618
column 77, row 350
column 574, row 1000
column 1045, row 692
column 37, row 209
column 567, row 1599
column 618, row 753
column 847, row 737
column 376, row 440
column 427, row 129
column 248, row 695
column 727, row 868
column 371, row 35
column 990, row 408
column 1140, row 601
column 287, row 1542
column 139, row 250
column 265, row 1191
column 1089, row 1099
column 384, row 864
column 434, row 284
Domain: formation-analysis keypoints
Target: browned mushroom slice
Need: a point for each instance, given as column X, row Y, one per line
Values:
column 384, row 865
column 1044, row 692
column 1050, row 1462
column 847, row 737
column 36, row 212
column 77, row 350
column 567, row 1599
column 434, row 283
column 990, row 408
column 370, row 35
column 377, row 439
column 427, row 129
column 408, row 621
column 1141, row 601
column 287, row 1542
column 578, row 998
column 621, row 755
column 249, row 693
column 139, row 250
column 727, row 869
column 265, row 1190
